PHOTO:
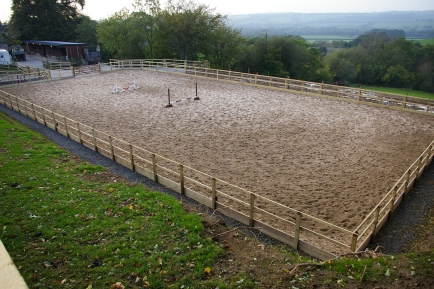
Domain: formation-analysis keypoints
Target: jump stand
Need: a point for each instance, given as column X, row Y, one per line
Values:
column 170, row 103
column 117, row 88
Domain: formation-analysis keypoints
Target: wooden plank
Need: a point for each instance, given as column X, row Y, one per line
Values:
column 124, row 162
column 381, row 223
column 315, row 251
column 198, row 197
column 398, row 200
column 144, row 172
column 365, row 243
column 168, row 183
column 232, row 214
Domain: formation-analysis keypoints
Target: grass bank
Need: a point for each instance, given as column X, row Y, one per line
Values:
column 64, row 227
column 400, row 91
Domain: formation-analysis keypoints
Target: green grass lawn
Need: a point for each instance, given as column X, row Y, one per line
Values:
column 426, row 41
column 400, row 91
column 65, row 229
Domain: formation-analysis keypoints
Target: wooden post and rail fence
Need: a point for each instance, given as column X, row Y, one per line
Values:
column 202, row 69
column 281, row 222
column 349, row 94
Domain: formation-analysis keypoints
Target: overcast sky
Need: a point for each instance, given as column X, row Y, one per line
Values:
column 98, row 9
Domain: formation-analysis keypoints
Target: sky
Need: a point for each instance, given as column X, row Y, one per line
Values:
column 100, row 9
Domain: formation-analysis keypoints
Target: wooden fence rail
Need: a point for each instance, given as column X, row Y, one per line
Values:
column 272, row 218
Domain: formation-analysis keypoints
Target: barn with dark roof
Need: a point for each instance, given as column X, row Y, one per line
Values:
column 56, row 49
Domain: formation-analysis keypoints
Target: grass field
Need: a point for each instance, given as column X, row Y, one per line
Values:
column 400, row 91
column 327, row 38
column 426, row 41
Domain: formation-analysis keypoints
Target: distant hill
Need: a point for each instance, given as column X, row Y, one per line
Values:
column 418, row 24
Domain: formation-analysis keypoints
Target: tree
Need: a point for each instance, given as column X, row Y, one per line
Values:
column 119, row 35
column 86, row 31
column 145, row 18
column 185, row 28
column 225, row 45
column 341, row 67
column 46, row 19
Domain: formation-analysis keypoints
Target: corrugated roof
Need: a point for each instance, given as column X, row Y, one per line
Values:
column 53, row 43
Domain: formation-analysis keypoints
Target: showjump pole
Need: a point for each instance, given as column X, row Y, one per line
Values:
column 168, row 96
column 169, row 104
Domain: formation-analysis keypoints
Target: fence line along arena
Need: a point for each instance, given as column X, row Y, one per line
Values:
column 331, row 159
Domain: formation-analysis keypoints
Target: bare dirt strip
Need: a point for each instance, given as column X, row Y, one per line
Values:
column 332, row 159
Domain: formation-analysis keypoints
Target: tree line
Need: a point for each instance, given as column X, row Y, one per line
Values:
column 183, row 29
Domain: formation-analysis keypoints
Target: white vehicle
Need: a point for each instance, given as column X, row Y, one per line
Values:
column 5, row 58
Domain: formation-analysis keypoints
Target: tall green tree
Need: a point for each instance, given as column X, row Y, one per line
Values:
column 145, row 19
column 119, row 35
column 46, row 19
column 86, row 31
column 185, row 29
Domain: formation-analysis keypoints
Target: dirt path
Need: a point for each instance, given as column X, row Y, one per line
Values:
column 332, row 159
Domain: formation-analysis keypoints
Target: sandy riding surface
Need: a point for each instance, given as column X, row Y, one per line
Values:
column 332, row 159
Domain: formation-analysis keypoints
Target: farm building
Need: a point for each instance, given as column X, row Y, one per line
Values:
column 56, row 49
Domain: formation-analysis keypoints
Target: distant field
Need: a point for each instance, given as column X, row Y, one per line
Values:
column 328, row 38
column 400, row 91
column 426, row 41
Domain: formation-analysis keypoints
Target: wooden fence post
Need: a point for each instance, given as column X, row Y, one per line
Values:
column 406, row 182
column 54, row 121
column 10, row 101
column 256, row 78
column 181, row 179
column 339, row 92
column 213, row 194
column 297, row 230
column 377, row 214
column 269, row 82
column 185, row 66
column 320, row 89
column 286, row 83
column 252, row 210
column 43, row 117
column 66, row 127
column 359, row 97
column 302, row 86
column 95, row 148
column 229, row 75
column 419, row 167
column 217, row 74
column 154, row 168
column 392, row 205
column 112, row 151
column 131, row 157
column 79, row 133
column 18, row 104
column 34, row 112
column 404, row 101
column 354, row 242
column 26, row 109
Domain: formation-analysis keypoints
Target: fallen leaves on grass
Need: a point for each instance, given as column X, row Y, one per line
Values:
column 117, row 285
